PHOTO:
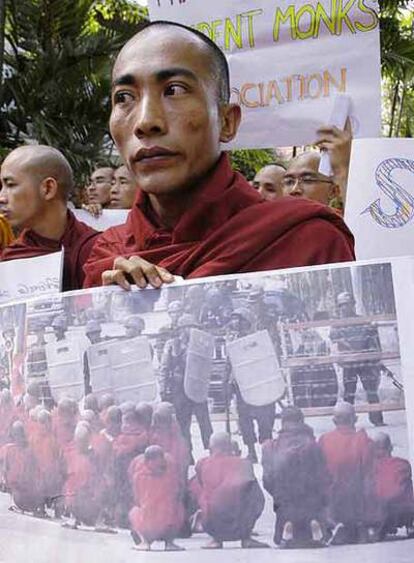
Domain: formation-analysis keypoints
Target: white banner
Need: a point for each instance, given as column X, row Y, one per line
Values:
column 109, row 218
column 289, row 60
column 31, row 277
column 380, row 198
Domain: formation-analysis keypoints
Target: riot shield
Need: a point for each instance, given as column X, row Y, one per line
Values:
column 133, row 374
column 65, row 368
column 199, row 362
column 100, row 370
column 256, row 368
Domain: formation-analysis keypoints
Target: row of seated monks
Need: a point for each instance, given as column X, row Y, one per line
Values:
column 127, row 466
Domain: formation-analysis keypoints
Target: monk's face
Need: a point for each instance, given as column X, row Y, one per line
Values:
column 20, row 197
column 268, row 182
column 166, row 117
column 303, row 179
column 123, row 190
column 99, row 188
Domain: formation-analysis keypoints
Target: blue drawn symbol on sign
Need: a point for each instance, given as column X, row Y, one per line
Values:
column 403, row 201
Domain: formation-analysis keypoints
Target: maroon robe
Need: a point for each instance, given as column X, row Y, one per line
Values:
column 83, row 486
column 158, row 511
column 77, row 241
column 230, row 497
column 230, row 228
column 21, row 476
column 49, row 460
column 173, row 443
column 8, row 415
column 348, row 455
column 393, row 488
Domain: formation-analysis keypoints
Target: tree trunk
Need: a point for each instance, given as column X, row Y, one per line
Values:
column 394, row 107
column 400, row 114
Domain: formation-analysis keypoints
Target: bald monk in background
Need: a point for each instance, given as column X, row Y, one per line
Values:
column 193, row 215
column 36, row 182
column 123, row 189
column 269, row 181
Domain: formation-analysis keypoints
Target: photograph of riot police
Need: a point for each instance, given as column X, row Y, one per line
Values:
column 229, row 412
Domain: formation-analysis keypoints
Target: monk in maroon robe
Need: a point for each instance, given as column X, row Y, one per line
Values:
column 49, row 460
column 36, row 182
column 348, row 454
column 8, row 415
column 82, row 488
column 132, row 441
column 166, row 433
column 230, row 497
column 21, row 471
column 393, row 488
column 194, row 216
column 158, row 511
column 64, row 420
column 295, row 475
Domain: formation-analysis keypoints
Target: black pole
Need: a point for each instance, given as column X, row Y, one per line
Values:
column 2, row 27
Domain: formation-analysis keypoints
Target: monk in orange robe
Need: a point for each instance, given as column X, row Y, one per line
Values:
column 64, row 420
column 158, row 511
column 8, row 415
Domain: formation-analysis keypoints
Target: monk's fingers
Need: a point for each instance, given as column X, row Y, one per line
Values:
column 143, row 272
column 115, row 277
column 326, row 145
column 165, row 275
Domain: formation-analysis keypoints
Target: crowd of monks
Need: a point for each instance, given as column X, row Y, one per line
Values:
column 108, row 466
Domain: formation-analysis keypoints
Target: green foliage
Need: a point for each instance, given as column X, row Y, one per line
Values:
column 57, row 73
column 397, row 55
column 249, row 162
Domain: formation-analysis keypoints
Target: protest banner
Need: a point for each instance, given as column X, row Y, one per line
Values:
column 380, row 197
column 368, row 342
column 289, row 60
column 29, row 277
column 109, row 218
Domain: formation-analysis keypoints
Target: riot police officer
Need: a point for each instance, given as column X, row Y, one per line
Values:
column 362, row 337
column 172, row 373
column 240, row 325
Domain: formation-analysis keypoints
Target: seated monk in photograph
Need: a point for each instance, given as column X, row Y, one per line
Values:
column 8, row 415
column 295, row 475
column 64, row 420
column 193, row 215
column 36, row 182
column 49, row 461
column 230, row 497
column 393, row 488
column 158, row 512
column 20, row 472
column 82, row 489
column 165, row 432
column 348, row 455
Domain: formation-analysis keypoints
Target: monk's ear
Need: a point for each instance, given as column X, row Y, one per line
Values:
column 334, row 191
column 49, row 188
column 230, row 121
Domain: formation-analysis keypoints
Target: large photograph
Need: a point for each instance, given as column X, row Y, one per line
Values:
column 238, row 413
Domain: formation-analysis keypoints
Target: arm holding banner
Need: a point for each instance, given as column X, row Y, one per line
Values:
column 338, row 144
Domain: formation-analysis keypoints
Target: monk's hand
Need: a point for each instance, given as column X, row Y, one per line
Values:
column 94, row 209
column 338, row 144
column 136, row 270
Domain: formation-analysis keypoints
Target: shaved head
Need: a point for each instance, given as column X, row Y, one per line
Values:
column 303, row 179
column 215, row 58
column 220, row 442
column 344, row 414
column 41, row 162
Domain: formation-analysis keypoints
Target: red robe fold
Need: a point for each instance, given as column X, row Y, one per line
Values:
column 49, row 460
column 158, row 513
column 21, row 476
column 8, row 415
column 348, row 455
column 173, row 443
column 77, row 240
column 229, row 229
column 230, row 497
